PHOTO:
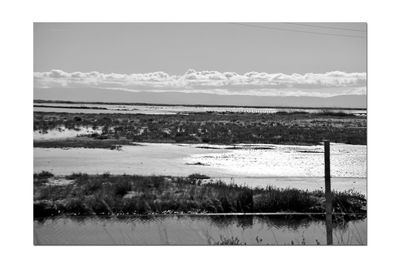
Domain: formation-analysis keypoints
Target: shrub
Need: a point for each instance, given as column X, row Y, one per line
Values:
column 76, row 206
column 42, row 177
column 122, row 187
column 43, row 209
column 43, row 174
column 198, row 176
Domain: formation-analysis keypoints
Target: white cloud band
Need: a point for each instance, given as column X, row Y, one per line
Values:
column 251, row 83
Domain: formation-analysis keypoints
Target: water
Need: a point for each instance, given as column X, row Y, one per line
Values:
column 195, row 230
column 149, row 109
column 253, row 165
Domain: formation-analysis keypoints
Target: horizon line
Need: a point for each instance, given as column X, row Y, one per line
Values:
column 190, row 105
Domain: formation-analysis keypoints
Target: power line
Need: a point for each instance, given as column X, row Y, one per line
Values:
column 291, row 30
column 302, row 31
column 326, row 27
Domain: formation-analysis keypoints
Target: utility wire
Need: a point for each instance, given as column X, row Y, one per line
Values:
column 291, row 30
column 326, row 27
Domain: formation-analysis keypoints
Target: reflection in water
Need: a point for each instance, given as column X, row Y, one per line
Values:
column 197, row 229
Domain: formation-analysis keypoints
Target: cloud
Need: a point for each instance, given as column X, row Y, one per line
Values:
column 214, row 82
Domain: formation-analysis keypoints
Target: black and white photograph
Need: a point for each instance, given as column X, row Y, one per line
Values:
column 200, row 133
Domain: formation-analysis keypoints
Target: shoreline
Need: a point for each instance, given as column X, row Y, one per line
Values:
column 41, row 101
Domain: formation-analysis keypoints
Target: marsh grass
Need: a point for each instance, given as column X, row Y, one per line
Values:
column 215, row 128
column 132, row 194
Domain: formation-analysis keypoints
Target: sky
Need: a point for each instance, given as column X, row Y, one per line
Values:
column 224, row 59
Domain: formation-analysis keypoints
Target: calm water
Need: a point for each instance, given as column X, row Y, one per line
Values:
column 254, row 165
column 147, row 109
column 196, row 230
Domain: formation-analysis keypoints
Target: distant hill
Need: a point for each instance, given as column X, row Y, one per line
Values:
column 105, row 95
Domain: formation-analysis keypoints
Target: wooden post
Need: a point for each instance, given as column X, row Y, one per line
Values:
column 328, row 194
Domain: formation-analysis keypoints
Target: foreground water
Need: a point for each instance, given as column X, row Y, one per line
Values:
column 196, row 230
column 253, row 165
